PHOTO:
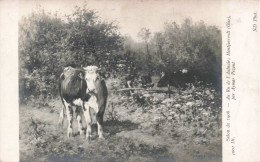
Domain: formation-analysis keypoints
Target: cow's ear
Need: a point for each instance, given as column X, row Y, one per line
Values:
column 81, row 76
column 99, row 75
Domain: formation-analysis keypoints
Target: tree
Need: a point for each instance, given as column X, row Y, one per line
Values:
column 91, row 40
column 40, row 37
column 47, row 44
column 193, row 46
column 145, row 35
column 159, row 41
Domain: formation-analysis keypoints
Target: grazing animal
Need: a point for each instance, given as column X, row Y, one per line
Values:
column 183, row 77
column 176, row 79
column 84, row 88
column 132, row 80
column 129, row 83
column 129, row 80
column 146, row 81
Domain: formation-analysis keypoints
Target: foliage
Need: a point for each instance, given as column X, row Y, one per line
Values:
column 145, row 35
column 47, row 44
column 192, row 46
column 186, row 125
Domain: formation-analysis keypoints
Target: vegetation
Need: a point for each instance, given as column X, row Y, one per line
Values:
column 147, row 126
column 48, row 43
column 185, row 127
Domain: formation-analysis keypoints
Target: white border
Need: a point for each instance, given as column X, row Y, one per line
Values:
column 9, row 115
column 244, row 111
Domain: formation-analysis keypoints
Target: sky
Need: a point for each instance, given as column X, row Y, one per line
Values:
column 133, row 15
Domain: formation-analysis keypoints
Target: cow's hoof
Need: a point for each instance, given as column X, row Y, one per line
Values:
column 81, row 132
column 101, row 138
column 60, row 124
column 88, row 138
column 69, row 133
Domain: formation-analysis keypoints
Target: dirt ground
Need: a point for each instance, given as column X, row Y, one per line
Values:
column 143, row 127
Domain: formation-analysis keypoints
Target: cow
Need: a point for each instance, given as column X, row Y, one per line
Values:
column 146, row 81
column 130, row 82
column 133, row 80
column 176, row 79
column 86, row 89
column 167, row 79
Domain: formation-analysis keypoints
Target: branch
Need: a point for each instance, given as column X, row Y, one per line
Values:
column 129, row 89
column 148, row 90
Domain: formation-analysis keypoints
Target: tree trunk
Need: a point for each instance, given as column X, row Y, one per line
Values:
column 148, row 59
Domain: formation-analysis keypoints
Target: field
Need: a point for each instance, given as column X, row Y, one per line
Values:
column 144, row 127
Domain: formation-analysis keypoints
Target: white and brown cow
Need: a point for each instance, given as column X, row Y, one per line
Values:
column 83, row 88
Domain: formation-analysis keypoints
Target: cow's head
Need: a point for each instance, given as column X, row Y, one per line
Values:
column 91, row 76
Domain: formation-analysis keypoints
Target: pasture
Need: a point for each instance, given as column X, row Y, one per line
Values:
column 150, row 127
column 144, row 125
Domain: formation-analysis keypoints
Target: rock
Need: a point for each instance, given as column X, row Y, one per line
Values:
column 177, row 105
column 147, row 95
column 186, row 96
column 206, row 113
column 189, row 103
column 156, row 118
column 199, row 103
column 211, row 96
column 168, row 102
column 207, row 92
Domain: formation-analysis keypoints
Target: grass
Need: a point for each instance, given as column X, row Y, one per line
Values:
column 185, row 127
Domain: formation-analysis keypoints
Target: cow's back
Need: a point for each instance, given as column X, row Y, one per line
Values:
column 71, row 85
column 168, row 79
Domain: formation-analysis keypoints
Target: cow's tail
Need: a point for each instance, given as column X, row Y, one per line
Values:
column 63, row 111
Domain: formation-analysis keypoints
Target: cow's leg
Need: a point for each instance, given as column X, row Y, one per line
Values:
column 99, row 110
column 169, row 90
column 79, row 119
column 61, row 118
column 69, row 112
column 88, row 120
column 99, row 117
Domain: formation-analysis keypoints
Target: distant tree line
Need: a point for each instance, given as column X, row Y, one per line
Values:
column 191, row 46
column 48, row 43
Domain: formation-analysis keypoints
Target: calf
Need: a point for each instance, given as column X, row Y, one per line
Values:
column 176, row 79
column 83, row 88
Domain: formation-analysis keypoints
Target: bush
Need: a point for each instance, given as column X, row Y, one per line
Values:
column 47, row 44
column 191, row 46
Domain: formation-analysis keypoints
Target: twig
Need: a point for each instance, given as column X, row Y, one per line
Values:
column 148, row 90
column 204, row 131
column 129, row 89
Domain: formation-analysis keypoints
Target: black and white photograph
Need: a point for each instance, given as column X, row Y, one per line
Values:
column 117, row 80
